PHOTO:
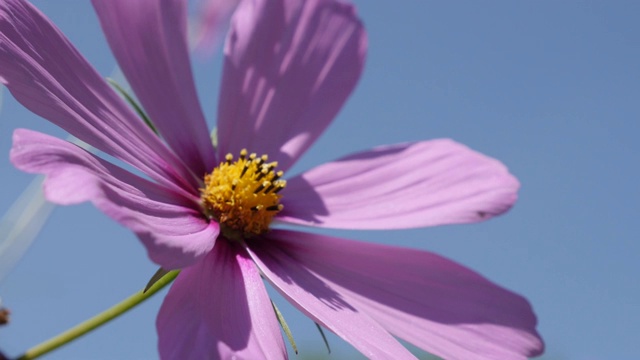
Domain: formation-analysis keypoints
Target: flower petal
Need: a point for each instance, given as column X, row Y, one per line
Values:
column 434, row 303
column 219, row 309
column 149, row 41
column 289, row 67
column 401, row 186
column 172, row 229
column 47, row 75
column 321, row 301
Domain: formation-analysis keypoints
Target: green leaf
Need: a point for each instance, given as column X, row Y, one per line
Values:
column 326, row 343
column 214, row 137
column 284, row 326
column 154, row 279
column 134, row 104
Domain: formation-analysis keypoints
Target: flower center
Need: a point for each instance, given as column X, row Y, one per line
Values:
column 243, row 195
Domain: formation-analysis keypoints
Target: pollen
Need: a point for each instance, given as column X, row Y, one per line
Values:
column 243, row 195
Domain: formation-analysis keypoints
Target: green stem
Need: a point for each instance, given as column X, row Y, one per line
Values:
column 98, row 320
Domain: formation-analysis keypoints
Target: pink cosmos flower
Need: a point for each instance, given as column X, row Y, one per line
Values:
column 289, row 67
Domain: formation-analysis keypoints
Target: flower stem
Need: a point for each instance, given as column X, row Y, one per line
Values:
column 98, row 320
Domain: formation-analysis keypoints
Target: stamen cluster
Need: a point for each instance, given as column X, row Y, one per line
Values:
column 243, row 195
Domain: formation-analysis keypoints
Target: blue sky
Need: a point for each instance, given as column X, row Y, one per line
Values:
column 550, row 88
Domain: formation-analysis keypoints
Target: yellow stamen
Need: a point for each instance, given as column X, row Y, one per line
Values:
column 243, row 195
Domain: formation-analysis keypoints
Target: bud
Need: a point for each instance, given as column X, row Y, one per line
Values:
column 4, row 316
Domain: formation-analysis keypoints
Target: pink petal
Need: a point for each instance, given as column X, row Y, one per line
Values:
column 149, row 41
column 401, row 186
column 47, row 75
column 213, row 15
column 434, row 303
column 321, row 301
column 219, row 309
column 289, row 67
column 170, row 226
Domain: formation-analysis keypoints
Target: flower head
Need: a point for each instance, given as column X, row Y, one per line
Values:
column 289, row 67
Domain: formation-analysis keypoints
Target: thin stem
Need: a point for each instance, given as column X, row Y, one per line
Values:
column 98, row 320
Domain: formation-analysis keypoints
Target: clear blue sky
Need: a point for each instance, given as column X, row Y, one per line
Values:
column 551, row 88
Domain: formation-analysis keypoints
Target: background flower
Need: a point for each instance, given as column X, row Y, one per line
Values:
column 211, row 23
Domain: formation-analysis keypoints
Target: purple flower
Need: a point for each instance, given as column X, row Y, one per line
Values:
column 288, row 69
